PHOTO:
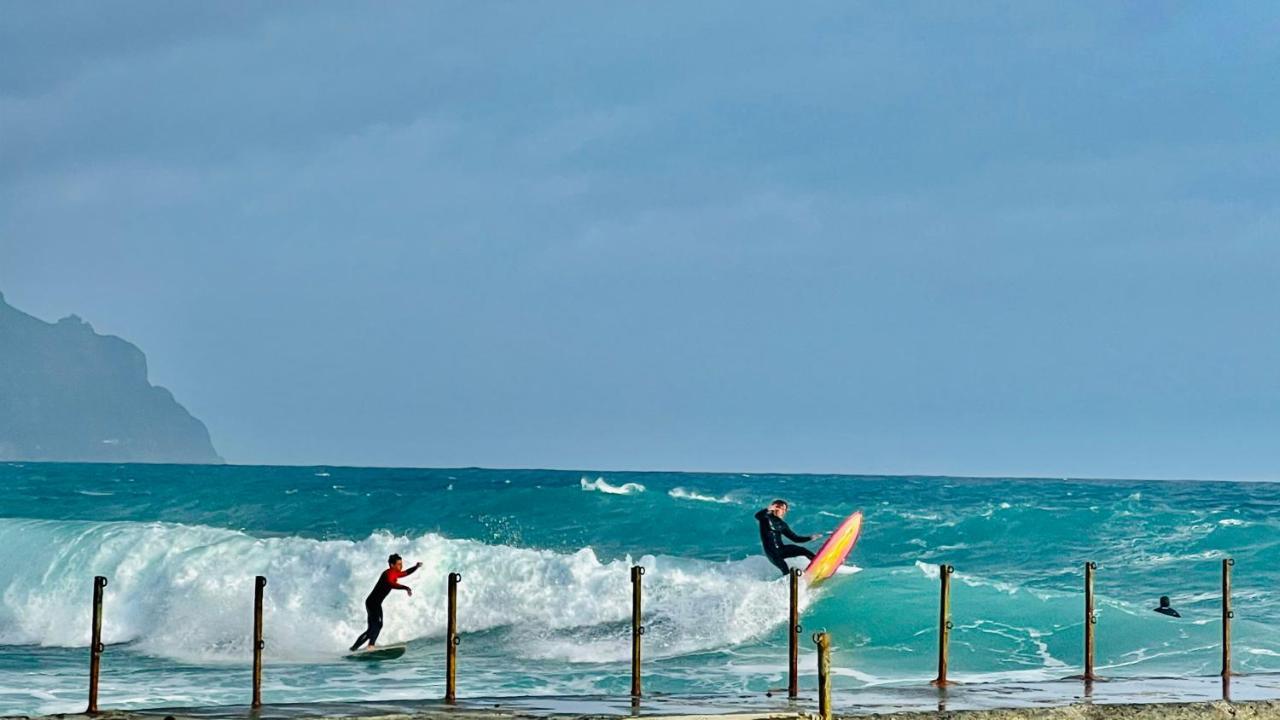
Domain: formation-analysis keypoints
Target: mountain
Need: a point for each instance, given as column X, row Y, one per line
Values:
column 70, row 394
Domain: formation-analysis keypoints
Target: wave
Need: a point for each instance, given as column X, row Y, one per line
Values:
column 681, row 494
column 186, row 592
column 602, row 485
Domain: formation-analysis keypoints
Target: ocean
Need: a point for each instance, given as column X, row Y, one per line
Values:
column 545, row 592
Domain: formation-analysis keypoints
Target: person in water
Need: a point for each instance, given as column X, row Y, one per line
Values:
column 388, row 581
column 772, row 528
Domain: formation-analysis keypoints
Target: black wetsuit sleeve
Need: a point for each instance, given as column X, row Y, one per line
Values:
column 410, row 571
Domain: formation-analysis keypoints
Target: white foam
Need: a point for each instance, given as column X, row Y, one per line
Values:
column 186, row 592
column 682, row 494
column 602, row 485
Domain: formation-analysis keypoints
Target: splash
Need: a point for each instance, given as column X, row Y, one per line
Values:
column 680, row 493
column 602, row 485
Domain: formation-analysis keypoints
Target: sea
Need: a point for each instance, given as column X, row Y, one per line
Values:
column 545, row 594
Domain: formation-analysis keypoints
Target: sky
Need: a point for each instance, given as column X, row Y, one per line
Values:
column 1035, row 239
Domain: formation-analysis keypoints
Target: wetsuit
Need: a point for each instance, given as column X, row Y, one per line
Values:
column 772, row 528
column 387, row 581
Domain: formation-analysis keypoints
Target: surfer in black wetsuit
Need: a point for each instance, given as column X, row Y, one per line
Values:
column 772, row 528
column 387, row 581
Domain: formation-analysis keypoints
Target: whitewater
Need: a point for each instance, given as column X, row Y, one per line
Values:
column 545, row 594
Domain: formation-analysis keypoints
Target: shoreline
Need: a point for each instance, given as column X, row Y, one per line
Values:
column 1253, row 696
column 1218, row 710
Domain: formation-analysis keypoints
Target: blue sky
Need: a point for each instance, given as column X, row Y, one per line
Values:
column 986, row 238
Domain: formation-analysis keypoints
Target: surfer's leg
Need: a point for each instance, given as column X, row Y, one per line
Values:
column 375, row 624
column 790, row 551
column 778, row 561
column 364, row 636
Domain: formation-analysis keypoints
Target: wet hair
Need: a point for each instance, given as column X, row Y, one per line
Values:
column 392, row 560
column 781, row 502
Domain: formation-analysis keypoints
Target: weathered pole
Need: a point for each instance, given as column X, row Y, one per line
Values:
column 95, row 643
column 259, row 583
column 944, row 622
column 1227, row 615
column 451, row 643
column 823, row 641
column 793, row 667
column 1090, row 620
column 637, row 628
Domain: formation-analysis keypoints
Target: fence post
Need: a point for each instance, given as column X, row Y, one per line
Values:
column 793, row 676
column 823, row 641
column 259, row 583
column 451, row 643
column 1227, row 615
column 95, row 643
column 944, row 622
column 1090, row 620
column 637, row 628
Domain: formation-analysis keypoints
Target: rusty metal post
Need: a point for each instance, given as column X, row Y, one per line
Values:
column 793, row 668
column 637, row 628
column 259, row 583
column 944, row 622
column 1090, row 620
column 823, row 641
column 95, row 643
column 451, row 643
column 1227, row 615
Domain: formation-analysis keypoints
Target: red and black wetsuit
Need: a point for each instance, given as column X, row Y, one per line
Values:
column 387, row 581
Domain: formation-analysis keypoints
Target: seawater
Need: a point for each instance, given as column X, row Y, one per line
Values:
column 545, row 593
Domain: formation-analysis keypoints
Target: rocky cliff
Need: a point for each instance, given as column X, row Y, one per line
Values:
column 70, row 394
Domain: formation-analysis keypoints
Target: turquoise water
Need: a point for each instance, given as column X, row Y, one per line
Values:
column 545, row 595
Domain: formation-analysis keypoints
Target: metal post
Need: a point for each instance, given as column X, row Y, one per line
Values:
column 1227, row 615
column 451, row 643
column 259, row 583
column 823, row 641
column 95, row 643
column 1090, row 619
column 637, row 629
column 793, row 676
column 944, row 622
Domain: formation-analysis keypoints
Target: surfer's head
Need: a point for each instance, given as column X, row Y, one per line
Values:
column 1167, row 609
column 395, row 561
column 779, row 507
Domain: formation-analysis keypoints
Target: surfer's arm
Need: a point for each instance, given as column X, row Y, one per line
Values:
column 791, row 534
column 411, row 570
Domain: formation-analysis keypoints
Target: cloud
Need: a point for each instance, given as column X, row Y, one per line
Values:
column 779, row 233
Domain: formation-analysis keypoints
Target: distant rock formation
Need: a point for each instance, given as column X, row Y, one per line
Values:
column 70, row 394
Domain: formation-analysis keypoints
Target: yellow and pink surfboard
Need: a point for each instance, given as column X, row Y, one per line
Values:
column 833, row 552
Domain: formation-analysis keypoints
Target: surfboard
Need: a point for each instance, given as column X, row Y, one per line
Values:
column 380, row 652
column 833, row 552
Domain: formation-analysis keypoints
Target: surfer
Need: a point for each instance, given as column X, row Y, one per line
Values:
column 387, row 581
column 772, row 528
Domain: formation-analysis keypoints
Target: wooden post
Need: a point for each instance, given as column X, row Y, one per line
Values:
column 1090, row 620
column 793, row 668
column 944, row 622
column 637, row 628
column 1227, row 615
column 95, row 643
column 259, row 583
column 823, row 641
column 451, row 643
